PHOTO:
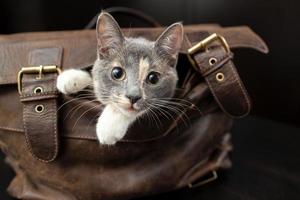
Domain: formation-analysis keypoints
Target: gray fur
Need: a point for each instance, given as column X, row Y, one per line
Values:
column 115, row 49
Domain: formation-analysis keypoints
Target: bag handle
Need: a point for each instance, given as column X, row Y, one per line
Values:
column 127, row 11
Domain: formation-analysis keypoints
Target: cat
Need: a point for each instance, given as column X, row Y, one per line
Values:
column 128, row 76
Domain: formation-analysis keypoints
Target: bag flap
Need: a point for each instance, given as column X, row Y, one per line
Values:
column 79, row 47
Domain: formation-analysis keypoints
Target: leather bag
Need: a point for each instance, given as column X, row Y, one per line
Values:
column 49, row 139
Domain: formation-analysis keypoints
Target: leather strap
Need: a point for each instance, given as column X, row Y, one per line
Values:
column 219, row 72
column 39, row 98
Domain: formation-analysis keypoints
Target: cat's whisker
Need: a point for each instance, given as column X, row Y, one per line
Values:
column 192, row 105
column 91, row 120
column 174, row 98
column 178, row 106
column 167, row 115
column 77, row 107
column 70, row 101
column 82, row 105
column 137, row 58
column 180, row 113
column 150, row 117
column 186, row 103
column 155, row 118
column 75, row 124
column 171, row 107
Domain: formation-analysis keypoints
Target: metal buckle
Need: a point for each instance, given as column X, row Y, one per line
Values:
column 204, row 43
column 36, row 70
column 208, row 180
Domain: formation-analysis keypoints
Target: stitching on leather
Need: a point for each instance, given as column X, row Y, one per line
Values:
column 166, row 133
column 212, row 70
column 40, row 94
column 38, row 98
column 25, row 127
column 211, row 164
column 26, row 133
column 243, row 90
column 211, row 88
column 29, row 147
column 80, row 137
column 65, row 136
column 54, row 107
column 217, row 99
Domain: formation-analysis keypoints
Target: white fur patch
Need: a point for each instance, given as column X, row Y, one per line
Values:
column 112, row 125
column 73, row 80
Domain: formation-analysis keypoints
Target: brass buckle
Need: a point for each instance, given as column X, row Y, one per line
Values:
column 203, row 45
column 36, row 70
column 208, row 180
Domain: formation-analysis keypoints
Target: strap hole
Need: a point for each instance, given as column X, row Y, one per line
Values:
column 212, row 61
column 38, row 90
column 220, row 77
column 39, row 108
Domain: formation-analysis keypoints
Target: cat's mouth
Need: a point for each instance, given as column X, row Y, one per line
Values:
column 130, row 109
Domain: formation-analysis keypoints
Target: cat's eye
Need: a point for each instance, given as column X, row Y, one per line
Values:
column 118, row 73
column 153, row 78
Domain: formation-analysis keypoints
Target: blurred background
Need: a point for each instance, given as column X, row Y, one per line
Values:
column 266, row 156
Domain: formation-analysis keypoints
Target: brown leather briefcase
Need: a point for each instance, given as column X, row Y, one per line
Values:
column 49, row 139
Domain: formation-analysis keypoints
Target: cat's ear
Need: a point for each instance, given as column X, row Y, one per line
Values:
column 109, row 35
column 169, row 42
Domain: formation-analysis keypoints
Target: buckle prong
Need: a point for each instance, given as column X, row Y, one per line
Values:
column 40, row 72
column 204, row 45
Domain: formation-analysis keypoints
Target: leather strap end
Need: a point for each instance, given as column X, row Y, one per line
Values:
column 220, row 74
column 39, row 98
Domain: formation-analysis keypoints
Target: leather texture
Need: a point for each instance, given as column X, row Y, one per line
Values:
column 152, row 158
column 42, row 137
column 228, row 90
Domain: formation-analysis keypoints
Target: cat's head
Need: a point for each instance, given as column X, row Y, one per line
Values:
column 132, row 73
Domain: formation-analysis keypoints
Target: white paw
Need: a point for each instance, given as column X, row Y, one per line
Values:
column 109, row 137
column 109, row 131
column 73, row 81
column 112, row 125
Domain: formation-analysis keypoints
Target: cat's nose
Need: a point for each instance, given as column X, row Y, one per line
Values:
column 133, row 99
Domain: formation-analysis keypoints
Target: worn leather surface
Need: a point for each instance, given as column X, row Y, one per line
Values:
column 229, row 93
column 41, row 138
column 152, row 158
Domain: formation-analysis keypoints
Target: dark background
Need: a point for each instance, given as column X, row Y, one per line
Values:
column 266, row 156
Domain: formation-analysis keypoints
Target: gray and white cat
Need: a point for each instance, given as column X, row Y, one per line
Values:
column 128, row 74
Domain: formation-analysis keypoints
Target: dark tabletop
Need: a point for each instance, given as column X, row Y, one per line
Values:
column 266, row 165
